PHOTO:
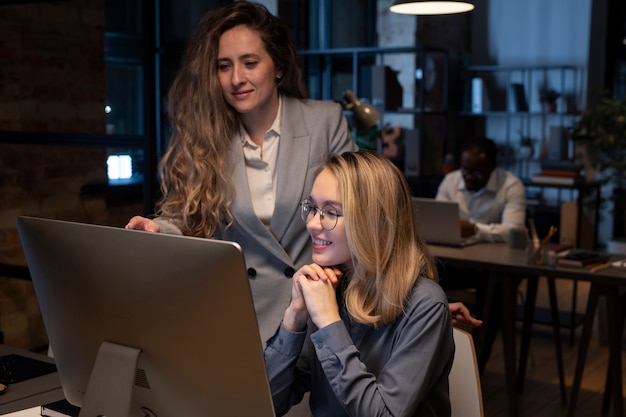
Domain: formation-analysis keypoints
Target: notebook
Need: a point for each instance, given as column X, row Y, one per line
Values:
column 147, row 321
column 437, row 222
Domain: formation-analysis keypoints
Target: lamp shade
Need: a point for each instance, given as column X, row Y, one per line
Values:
column 365, row 115
column 431, row 7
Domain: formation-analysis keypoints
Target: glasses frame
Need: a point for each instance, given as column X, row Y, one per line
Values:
column 474, row 173
column 308, row 215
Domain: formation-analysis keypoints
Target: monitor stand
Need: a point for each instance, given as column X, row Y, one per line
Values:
column 110, row 386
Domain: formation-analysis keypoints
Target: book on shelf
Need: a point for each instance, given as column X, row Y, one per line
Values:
column 61, row 408
column 519, row 97
column 555, row 179
column 560, row 173
column 582, row 258
column 568, row 166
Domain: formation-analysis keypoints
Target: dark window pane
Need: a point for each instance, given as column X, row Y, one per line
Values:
column 124, row 102
column 124, row 16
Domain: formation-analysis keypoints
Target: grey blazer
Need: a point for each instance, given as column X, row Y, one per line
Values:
column 310, row 132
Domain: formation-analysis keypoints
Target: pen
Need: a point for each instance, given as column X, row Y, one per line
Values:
column 551, row 233
column 533, row 232
column 599, row 267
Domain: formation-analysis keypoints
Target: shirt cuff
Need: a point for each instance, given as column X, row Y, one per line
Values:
column 287, row 343
column 331, row 339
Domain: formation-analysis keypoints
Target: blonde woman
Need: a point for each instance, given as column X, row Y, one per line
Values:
column 368, row 331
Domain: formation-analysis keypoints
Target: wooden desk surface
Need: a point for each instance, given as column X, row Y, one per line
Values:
column 499, row 257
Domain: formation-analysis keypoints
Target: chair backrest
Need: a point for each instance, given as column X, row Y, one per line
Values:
column 465, row 392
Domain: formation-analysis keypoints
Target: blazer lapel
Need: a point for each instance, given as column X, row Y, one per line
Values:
column 293, row 165
column 243, row 211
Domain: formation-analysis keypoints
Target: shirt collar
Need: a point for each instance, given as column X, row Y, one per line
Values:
column 274, row 128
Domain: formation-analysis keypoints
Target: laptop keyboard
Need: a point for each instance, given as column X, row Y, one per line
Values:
column 16, row 368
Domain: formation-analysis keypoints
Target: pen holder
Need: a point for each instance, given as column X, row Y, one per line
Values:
column 536, row 254
column 518, row 238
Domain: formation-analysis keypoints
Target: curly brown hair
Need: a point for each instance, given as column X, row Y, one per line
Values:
column 195, row 177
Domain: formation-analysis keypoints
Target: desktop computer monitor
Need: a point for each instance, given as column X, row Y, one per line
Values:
column 147, row 324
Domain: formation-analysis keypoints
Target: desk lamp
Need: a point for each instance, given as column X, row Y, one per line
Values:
column 366, row 119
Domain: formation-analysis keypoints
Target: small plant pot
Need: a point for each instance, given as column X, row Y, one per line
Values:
column 549, row 106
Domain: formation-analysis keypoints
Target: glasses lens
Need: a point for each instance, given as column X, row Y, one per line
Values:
column 308, row 211
column 329, row 219
column 474, row 174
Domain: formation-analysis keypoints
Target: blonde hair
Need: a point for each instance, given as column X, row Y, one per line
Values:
column 195, row 175
column 388, row 255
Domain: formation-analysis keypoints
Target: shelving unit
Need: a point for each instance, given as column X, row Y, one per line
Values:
column 408, row 85
column 507, row 107
column 508, row 112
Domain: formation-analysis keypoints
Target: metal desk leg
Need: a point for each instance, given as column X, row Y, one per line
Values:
column 612, row 308
column 529, row 312
column 572, row 322
column 585, row 338
column 606, row 399
column 486, row 314
column 556, row 329
column 509, row 289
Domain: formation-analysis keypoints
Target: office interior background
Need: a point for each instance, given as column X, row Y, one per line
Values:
column 83, row 87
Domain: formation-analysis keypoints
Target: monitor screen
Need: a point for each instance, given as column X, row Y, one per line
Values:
column 147, row 324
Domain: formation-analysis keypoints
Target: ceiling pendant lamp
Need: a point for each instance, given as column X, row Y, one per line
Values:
column 431, row 7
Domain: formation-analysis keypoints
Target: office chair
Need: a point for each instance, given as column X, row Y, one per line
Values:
column 466, row 398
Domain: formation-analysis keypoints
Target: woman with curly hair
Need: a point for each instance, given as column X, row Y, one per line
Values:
column 368, row 331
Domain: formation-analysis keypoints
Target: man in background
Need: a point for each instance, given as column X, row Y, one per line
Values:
column 492, row 201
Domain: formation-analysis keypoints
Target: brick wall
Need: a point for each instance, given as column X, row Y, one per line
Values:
column 52, row 67
column 52, row 79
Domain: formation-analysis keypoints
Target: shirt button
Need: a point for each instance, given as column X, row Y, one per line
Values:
column 289, row 271
column 251, row 272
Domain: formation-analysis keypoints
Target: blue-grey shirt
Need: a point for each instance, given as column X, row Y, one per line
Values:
column 356, row 370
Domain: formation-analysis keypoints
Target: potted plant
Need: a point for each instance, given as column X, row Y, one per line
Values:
column 548, row 98
column 601, row 129
column 527, row 145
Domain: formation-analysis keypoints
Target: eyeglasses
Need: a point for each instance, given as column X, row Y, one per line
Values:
column 328, row 214
column 472, row 173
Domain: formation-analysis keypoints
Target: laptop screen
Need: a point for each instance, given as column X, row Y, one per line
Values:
column 438, row 222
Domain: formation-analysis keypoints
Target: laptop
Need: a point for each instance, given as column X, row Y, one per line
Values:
column 147, row 321
column 437, row 222
column 32, row 379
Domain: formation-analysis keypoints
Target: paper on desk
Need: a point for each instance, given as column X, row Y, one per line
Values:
column 29, row 412
column 620, row 263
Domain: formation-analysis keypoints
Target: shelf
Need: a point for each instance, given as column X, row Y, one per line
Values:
column 509, row 99
column 505, row 113
column 582, row 185
column 373, row 74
